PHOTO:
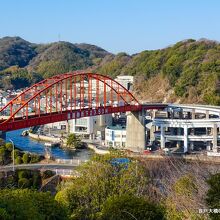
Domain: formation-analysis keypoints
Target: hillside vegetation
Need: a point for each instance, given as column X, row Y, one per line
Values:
column 185, row 72
column 170, row 189
column 191, row 70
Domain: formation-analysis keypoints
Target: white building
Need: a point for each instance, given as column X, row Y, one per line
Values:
column 189, row 127
column 115, row 136
column 61, row 125
column 126, row 81
column 91, row 126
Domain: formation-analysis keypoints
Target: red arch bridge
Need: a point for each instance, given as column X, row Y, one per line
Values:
column 68, row 96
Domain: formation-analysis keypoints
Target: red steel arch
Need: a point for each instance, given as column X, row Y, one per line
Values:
column 66, row 96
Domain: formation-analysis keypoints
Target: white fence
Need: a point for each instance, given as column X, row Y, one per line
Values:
column 67, row 173
column 71, row 161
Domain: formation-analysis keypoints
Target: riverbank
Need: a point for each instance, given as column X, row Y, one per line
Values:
column 97, row 149
column 35, row 146
column 40, row 137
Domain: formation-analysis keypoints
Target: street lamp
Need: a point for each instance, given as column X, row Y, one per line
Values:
column 13, row 157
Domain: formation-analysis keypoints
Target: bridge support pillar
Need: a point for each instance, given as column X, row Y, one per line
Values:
column 185, row 139
column 162, row 137
column 208, row 145
column 178, row 133
column 154, row 114
column 214, row 148
column 152, row 130
column 207, row 114
column 191, row 146
column 136, row 131
column 193, row 114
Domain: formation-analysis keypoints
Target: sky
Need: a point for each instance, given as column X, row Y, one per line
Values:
column 127, row 26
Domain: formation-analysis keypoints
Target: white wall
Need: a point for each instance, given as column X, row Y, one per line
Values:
column 115, row 136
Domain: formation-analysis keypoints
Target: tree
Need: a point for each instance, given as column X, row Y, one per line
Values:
column 25, row 158
column 2, row 142
column 185, row 189
column 213, row 194
column 130, row 207
column 23, row 174
column 9, row 146
column 2, row 155
column 73, row 141
column 16, row 153
column 4, row 215
column 27, row 204
column 18, row 160
column 34, row 158
column 23, row 183
column 85, row 196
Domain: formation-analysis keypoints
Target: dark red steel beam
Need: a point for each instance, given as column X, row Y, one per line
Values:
column 65, row 115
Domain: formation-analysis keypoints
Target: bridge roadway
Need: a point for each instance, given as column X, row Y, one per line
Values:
column 189, row 126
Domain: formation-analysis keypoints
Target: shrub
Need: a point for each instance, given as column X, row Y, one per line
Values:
column 2, row 155
column 4, row 215
column 23, row 183
column 18, row 160
column 47, row 174
column 9, row 146
column 36, row 180
column 2, row 141
column 34, row 158
column 28, row 204
column 23, row 174
column 213, row 195
column 16, row 153
column 130, row 207
column 25, row 158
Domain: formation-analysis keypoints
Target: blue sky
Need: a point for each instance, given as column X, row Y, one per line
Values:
column 116, row 25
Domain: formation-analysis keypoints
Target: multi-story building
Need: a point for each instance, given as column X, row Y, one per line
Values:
column 115, row 136
column 188, row 127
column 91, row 126
column 126, row 81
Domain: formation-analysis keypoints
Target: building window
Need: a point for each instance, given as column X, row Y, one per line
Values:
column 63, row 127
column 117, row 136
column 81, row 121
column 110, row 144
column 117, row 144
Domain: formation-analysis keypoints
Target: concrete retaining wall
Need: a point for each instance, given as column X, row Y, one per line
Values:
column 44, row 138
column 98, row 151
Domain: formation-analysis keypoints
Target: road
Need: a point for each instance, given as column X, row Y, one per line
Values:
column 38, row 166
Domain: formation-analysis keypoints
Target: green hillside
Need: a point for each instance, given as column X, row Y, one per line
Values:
column 190, row 68
column 15, row 51
column 62, row 57
column 187, row 72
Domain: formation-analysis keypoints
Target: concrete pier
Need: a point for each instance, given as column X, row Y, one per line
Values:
column 136, row 131
column 214, row 138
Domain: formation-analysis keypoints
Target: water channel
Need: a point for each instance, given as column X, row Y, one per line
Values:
column 34, row 146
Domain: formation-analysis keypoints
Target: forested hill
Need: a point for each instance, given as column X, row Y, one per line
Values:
column 187, row 72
